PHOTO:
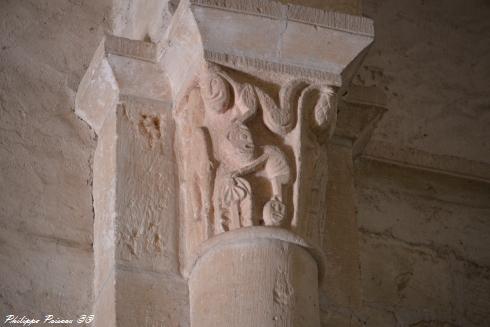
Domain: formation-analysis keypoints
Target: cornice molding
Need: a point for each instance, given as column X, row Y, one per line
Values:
column 311, row 16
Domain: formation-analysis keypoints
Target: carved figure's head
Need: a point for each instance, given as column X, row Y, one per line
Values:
column 215, row 91
column 241, row 140
column 274, row 212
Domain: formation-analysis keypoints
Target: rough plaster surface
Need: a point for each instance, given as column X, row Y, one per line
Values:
column 424, row 236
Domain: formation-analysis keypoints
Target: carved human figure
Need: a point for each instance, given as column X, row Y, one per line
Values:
column 275, row 166
column 216, row 128
column 274, row 212
column 232, row 195
column 233, row 203
column 236, row 151
column 216, row 87
column 215, row 91
column 273, row 161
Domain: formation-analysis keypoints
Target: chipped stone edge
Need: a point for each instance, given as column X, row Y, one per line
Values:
column 312, row 16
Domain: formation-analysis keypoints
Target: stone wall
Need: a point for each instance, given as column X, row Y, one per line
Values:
column 422, row 258
column 46, row 224
column 423, row 241
column 424, row 232
column 429, row 62
column 422, row 182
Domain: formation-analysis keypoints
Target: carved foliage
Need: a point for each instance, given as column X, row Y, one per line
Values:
column 228, row 180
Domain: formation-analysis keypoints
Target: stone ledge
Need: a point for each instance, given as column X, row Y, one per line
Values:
column 421, row 160
column 312, row 16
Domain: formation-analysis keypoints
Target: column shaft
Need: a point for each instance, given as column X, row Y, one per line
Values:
column 255, row 282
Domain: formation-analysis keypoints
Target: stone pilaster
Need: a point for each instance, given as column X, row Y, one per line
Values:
column 125, row 98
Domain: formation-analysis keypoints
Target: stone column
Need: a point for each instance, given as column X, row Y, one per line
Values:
column 255, row 276
column 255, row 85
column 248, row 92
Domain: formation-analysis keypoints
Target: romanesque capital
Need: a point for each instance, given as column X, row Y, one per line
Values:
column 255, row 86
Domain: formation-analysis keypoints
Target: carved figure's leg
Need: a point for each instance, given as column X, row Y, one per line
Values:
column 218, row 207
column 195, row 197
column 276, row 188
column 234, row 215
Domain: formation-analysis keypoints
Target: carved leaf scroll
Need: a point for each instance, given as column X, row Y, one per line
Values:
column 232, row 180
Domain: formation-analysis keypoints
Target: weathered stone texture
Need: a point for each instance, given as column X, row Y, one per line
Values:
column 146, row 225
column 151, row 299
column 141, row 19
column 420, row 254
column 424, row 236
column 341, row 291
column 274, row 284
column 352, row 7
column 423, row 241
column 431, row 60
column 46, row 224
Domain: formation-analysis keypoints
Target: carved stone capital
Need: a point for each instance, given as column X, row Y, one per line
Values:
column 255, row 87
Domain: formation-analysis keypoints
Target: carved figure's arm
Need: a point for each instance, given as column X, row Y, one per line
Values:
column 251, row 167
column 202, row 146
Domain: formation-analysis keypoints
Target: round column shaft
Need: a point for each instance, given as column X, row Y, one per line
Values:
column 254, row 282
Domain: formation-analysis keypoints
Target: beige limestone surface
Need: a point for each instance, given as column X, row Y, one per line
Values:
column 423, row 240
column 47, row 204
column 423, row 237
column 431, row 61
column 352, row 7
column 255, row 282
column 46, row 223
